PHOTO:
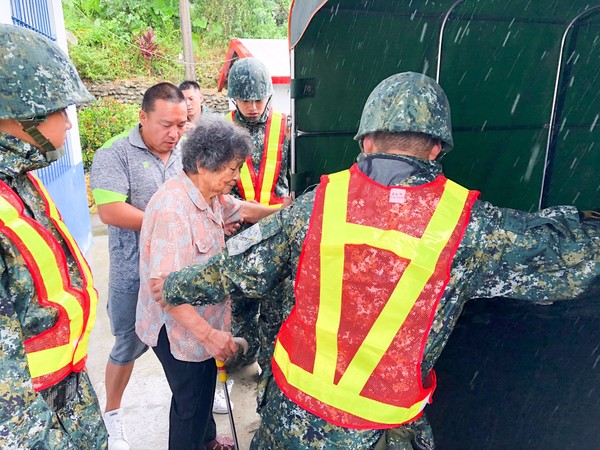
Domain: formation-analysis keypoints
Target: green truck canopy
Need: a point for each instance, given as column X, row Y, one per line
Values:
column 522, row 78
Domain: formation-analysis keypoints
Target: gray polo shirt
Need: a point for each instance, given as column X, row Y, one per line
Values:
column 127, row 171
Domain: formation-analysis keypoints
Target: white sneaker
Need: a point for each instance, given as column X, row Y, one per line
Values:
column 220, row 402
column 117, row 439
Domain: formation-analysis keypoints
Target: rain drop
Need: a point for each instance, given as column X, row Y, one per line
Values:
column 515, row 103
column 534, row 155
column 423, row 32
column 594, row 123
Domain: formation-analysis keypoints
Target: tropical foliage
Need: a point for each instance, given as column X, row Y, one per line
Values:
column 129, row 38
column 101, row 121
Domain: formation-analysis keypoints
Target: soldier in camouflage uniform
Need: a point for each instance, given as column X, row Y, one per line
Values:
column 250, row 87
column 550, row 255
column 41, row 408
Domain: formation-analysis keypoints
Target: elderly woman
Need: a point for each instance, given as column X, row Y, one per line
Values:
column 183, row 225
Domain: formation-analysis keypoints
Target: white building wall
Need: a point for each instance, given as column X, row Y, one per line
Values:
column 281, row 98
column 5, row 11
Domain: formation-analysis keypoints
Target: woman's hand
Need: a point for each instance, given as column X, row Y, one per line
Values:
column 219, row 344
column 156, row 287
column 287, row 201
column 231, row 228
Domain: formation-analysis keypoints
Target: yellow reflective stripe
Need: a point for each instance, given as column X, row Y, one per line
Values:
column 267, row 179
column 270, row 155
column 246, row 180
column 433, row 241
column 48, row 270
column 86, row 272
column 328, row 318
column 44, row 362
column 335, row 233
column 338, row 397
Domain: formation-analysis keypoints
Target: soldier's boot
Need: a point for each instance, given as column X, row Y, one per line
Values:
column 117, row 438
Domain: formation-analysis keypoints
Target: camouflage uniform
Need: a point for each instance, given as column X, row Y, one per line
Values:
column 257, row 133
column 538, row 257
column 26, row 420
column 249, row 80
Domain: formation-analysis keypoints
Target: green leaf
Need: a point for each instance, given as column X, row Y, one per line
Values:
column 200, row 22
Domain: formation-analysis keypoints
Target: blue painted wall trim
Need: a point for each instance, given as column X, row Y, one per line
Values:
column 69, row 194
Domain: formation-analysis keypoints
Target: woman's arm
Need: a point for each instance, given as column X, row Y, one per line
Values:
column 218, row 343
column 253, row 212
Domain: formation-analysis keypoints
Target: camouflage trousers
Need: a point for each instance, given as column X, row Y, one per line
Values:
column 284, row 425
column 76, row 426
column 258, row 321
column 244, row 323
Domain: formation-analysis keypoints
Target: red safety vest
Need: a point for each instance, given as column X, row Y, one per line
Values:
column 261, row 187
column 62, row 349
column 373, row 268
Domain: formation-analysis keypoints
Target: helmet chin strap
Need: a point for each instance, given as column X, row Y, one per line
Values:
column 51, row 152
column 262, row 116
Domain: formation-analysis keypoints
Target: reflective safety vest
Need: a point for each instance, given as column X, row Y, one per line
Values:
column 62, row 349
column 261, row 187
column 374, row 265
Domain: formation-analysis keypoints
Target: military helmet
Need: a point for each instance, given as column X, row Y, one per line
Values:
column 36, row 76
column 408, row 101
column 249, row 79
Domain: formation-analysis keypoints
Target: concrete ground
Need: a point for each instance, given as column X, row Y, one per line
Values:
column 147, row 397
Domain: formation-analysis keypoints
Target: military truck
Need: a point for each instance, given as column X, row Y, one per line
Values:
column 523, row 81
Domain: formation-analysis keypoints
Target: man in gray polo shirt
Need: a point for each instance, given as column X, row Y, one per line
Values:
column 123, row 178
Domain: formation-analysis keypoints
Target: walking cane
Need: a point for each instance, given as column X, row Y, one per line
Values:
column 223, row 379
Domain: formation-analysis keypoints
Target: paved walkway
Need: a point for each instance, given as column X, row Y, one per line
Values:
column 147, row 397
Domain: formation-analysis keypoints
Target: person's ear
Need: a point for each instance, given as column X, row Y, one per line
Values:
column 368, row 144
column 435, row 151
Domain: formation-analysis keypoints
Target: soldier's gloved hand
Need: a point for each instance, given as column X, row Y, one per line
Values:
column 589, row 215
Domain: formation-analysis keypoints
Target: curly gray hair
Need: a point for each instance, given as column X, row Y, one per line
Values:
column 213, row 143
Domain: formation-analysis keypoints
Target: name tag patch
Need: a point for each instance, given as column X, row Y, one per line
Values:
column 397, row 196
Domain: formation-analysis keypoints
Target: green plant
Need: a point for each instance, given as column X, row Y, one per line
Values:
column 107, row 49
column 101, row 121
column 148, row 47
column 248, row 19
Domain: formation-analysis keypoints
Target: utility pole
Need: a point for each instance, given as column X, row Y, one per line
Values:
column 186, row 37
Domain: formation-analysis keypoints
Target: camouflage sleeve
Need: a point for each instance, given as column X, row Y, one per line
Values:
column 24, row 416
column 197, row 285
column 542, row 257
column 253, row 263
column 283, row 183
